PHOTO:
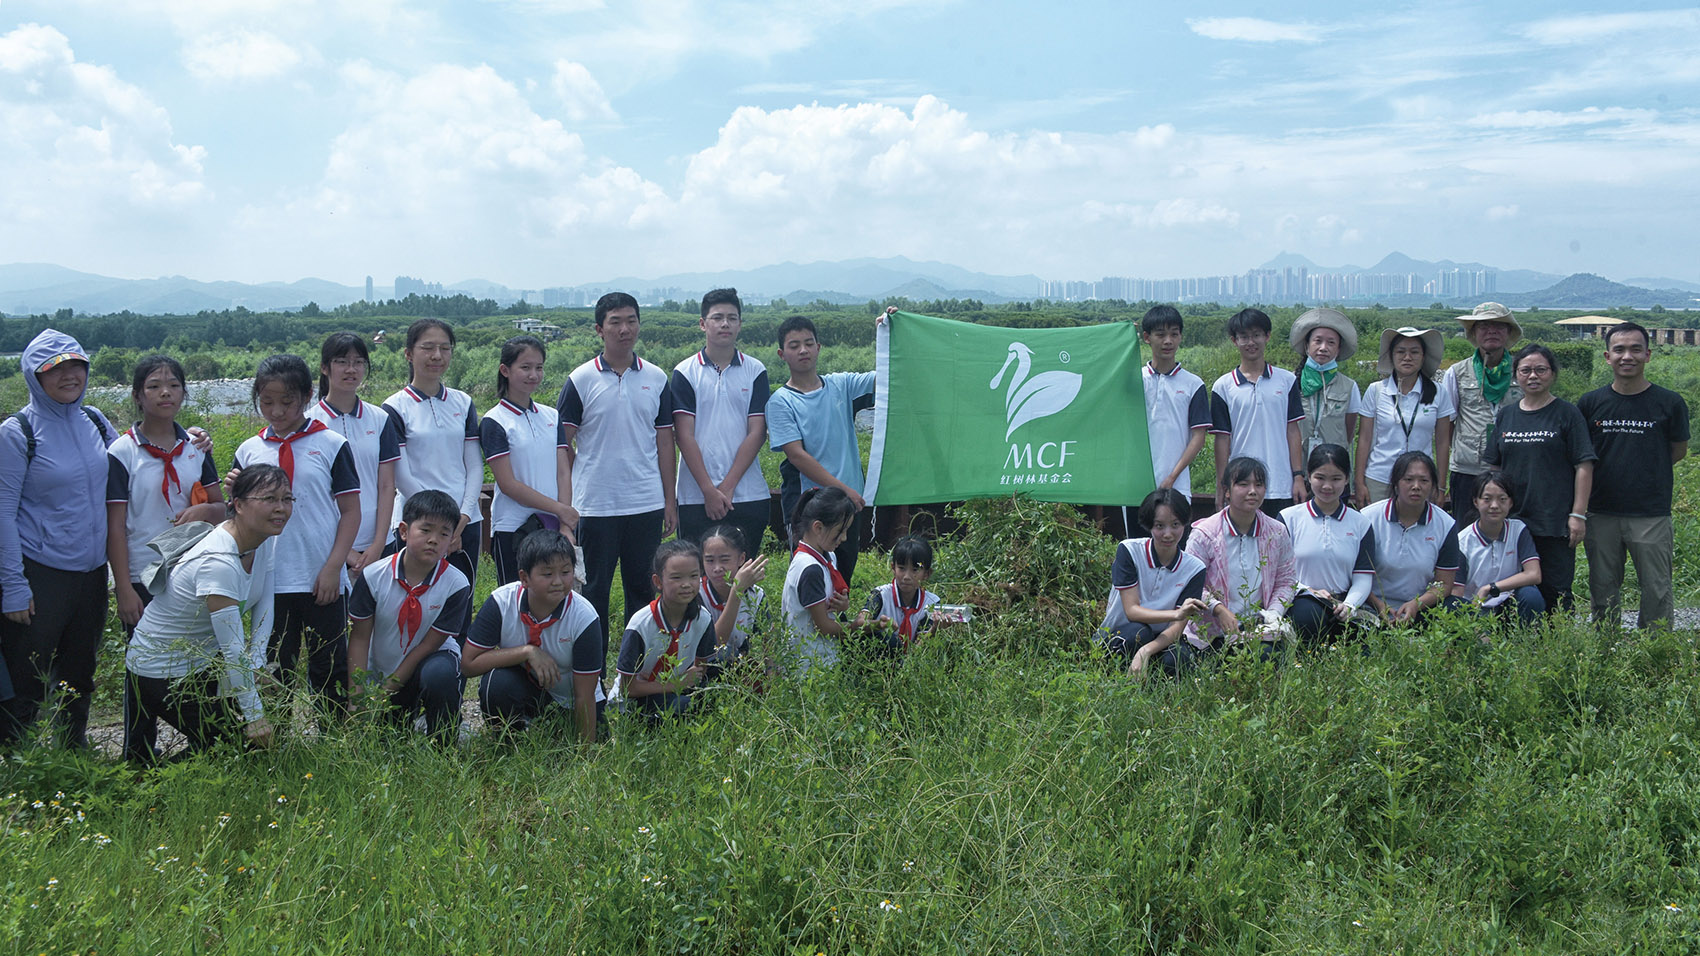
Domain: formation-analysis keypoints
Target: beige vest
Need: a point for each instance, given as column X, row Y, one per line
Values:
column 1474, row 421
column 1325, row 415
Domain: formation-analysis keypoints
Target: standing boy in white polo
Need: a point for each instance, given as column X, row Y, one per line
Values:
column 1256, row 409
column 720, row 421
column 617, row 412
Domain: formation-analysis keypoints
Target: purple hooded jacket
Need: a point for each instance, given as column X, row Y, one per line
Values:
column 52, row 509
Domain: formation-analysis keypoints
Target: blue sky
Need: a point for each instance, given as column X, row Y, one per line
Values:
column 549, row 142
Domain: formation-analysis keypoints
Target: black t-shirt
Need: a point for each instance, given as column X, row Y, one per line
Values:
column 1633, row 435
column 1540, row 451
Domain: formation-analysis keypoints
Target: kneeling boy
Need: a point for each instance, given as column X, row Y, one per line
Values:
column 535, row 639
column 406, row 611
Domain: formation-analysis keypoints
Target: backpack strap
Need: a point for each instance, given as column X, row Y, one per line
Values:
column 29, row 431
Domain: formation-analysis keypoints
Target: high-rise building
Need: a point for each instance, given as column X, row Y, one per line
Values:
column 368, row 288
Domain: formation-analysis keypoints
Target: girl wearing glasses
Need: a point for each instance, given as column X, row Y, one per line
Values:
column 1542, row 443
column 372, row 437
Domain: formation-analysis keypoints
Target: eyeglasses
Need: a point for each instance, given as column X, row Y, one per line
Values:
column 1534, row 370
column 273, row 500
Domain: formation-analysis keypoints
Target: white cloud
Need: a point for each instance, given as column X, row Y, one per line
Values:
column 238, row 55
column 1552, row 119
column 80, row 139
column 580, row 95
column 1501, row 213
column 1591, row 28
column 1254, row 30
column 1166, row 213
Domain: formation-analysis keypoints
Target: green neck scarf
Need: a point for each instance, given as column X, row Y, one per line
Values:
column 1314, row 378
column 1494, row 380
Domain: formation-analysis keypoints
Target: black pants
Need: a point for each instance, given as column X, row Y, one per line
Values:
column 1558, row 572
column 625, row 540
column 434, row 688
column 1462, row 488
column 299, row 623
column 504, row 550
column 1176, row 659
column 510, row 699
column 1314, row 623
column 749, row 517
column 56, row 647
column 466, row 559
column 190, row 703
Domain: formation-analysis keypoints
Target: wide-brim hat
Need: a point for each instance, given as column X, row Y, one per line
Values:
column 1491, row 312
column 1434, row 347
column 1324, row 319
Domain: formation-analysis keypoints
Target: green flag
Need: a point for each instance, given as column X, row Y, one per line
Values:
column 978, row 411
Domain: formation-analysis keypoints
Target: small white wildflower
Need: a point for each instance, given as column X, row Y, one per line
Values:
column 1672, row 908
column 890, row 907
column 643, row 829
column 908, row 866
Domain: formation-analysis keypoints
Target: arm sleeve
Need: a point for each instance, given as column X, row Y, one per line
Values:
column 117, row 480
column 1124, row 571
column 344, row 478
column 1444, row 406
column 1366, row 554
column 1490, row 452
column 494, row 439
column 405, row 484
column 238, row 667
column 631, row 653
column 570, row 405
column 1198, row 410
column 684, row 396
column 453, row 610
column 1295, row 402
column 1450, row 558
column 861, row 384
column 705, row 645
column 1580, row 446
column 587, row 649
column 1358, row 593
column 1221, row 420
column 397, row 424
column 1194, row 588
column 389, row 437
column 873, row 605
column 664, row 408
column 1677, row 418
column 760, row 391
column 473, row 462
column 561, row 436
column 1449, row 388
column 487, row 626
column 811, row 586
column 1356, row 405
column 361, row 603
column 14, row 589
column 1525, row 547
column 209, row 471
column 782, row 426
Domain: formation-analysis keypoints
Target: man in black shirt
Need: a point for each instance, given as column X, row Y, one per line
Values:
column 1640, row 432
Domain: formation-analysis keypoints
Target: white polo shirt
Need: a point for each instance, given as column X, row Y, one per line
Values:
column 644, row 648
column 617, row 413
column 748, row 605
column 374, row 441
column 137, row 480
column 807, row 582
column 1407, row 558
column 1330, row 549
column 722, row 402
column 324, row 472
column 175, row 635
column 433, row 432
column 531, row 440
column 1256, row 414
column 1484, row 562
column 572, row 635
column 1161, row 587
column 380, row 593
column 1402, row 423
column 885, row 602
column 1176, row 403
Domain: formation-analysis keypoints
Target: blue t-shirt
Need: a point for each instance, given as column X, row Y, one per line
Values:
column 824, row 420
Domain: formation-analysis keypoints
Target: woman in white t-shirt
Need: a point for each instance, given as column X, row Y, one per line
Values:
column 189, row 657
column 1405, row 411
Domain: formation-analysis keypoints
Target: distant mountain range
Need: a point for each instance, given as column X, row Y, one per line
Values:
column 34, row 288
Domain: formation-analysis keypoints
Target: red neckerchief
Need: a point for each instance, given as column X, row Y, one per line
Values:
column 672, row 655
column 412, row 613
column 166, row 457
column 838, row 583
column 906, row 626
column 286, row 456
column 534, row 627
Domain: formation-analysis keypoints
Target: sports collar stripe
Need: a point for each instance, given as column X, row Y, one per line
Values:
column 1428, row 512
column 1151, row 558
column 359, row 409
column 1256, row 524
column 419, row 396
column 601, row 366
column 1338, row 515
column 702, row 358
column 1153, row 369
column 510, row 406
column 436, row 572
column 1240, row 379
